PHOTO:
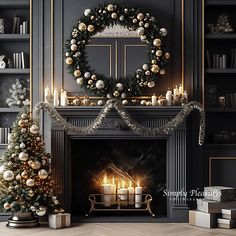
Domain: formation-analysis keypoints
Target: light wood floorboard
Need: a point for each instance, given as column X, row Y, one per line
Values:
column 119, row 229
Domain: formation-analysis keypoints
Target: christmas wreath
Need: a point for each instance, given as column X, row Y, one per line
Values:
column 96, row 20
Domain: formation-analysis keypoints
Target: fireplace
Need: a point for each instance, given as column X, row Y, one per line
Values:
column 79, row 159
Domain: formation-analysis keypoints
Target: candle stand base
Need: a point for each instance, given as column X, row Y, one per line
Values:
column 97, row 204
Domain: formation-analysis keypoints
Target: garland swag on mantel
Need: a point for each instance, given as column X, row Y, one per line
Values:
column 167, row 129
column 96, row 20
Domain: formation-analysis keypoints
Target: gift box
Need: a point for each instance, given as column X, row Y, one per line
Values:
column 213, row 206
column 58, row 221
column 202, row 219
column 229, row 213
column 226, row 223
column 219, row 193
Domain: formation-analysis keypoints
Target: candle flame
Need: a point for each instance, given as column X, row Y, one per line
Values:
column 113, row 180
column 138, row 183
column 130, row 183
column 118, row 186
column 123, row 183
column 105, row 179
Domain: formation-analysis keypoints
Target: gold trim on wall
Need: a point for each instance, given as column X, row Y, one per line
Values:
column 31, row 59
column 110, row 53
column 203, row 52
column 125, row 54
column 210, row 165
column 52, row 46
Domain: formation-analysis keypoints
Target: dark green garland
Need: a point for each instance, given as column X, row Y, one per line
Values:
column 96, row 20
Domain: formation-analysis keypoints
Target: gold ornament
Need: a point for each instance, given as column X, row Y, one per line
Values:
column 155, row 69
column 30, row 182
column 6, row 205
column 24, row 116
column 23, row 130
column 82, row 27
column 21, row 123
column 140, row 16
column 116, row 94
column 151, row 84
column 43, row 174
column 31, row 193
column 154, row 61
column 113, row 15
column 145, row 66
column 36, row 165
column 93, row 77
column 110, row 7
column 80, row 81
column 100, row 102
column 73, row 47
column 90, row 28
column 34, row 129
column 167, row 55
column 24, row 174
column 158, row 53
column 90, row 82
column 23, row 156
column 18, row 177
column 76, row 102
column 157, row 42
column 69, row 61
column 77, row 73
column 41, row 211
column 85, row 101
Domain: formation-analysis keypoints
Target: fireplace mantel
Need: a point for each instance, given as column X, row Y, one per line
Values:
column 114, row 127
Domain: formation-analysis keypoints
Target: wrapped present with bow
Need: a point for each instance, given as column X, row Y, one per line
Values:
column 60, row 220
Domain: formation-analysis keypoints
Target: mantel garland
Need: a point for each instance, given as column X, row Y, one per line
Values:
column 95, row 20
column 167, row 129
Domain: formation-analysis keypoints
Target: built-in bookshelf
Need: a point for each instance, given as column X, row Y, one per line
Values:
column 15, row 46
column 220, row 70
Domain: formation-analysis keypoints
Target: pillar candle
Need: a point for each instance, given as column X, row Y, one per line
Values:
column 180, row 90
column 114, row 190
column 154, row 100
column 61, row 97
column 64, row 98
column 123, row 192
column 131, row 194
column 55, row 98
column 138, row 196
column 169, row 97
column 47, row 94
column 176, row 92
column 107, row 190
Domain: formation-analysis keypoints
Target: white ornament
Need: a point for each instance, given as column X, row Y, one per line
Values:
column 87, row 75
column 34, row 129
column 113, row 15
column 22, row 145
column 73, row 41
column 80, row 81
column 30, row 182
column 163, row 31
column 35, row 165
column 140, row 16
column 41, row 211
column 8, row 175
column 123, row 95
column 145, row 66
column 143, row 38
column 119, row 87
column 109, row 96
column 110, row 7
column 100, row 103
column 6, row 206
column 151, row 84
column 23, row 156
column 143, row 103
column 43, row 174
column 125, row 102
column 24, row 116
column 87, row 12
column 100, row 84
column 73, row 47
column 140, row 31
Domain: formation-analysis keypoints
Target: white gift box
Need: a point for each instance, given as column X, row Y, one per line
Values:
column 58, row 221
column 226, row 223
column 229, row 213
column 202, row 219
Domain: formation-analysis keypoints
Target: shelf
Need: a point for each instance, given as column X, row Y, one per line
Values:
column 9, row 109
column 3, row 145
column 220, row 36
column 14, row 37
column 221, row 71
column 14, row 71
column 220, row 2
column 14, row 3
column 220, row 110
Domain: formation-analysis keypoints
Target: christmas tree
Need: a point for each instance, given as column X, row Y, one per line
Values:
column 25, row 170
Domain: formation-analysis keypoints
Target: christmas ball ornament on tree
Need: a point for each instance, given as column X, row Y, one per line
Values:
column 32, row 208
column 140, row 16
column 167, row 55
column 35, row 165
column 113, row 15
column 116, row 94
column 8, row 175
column 100, row 103
column 87, row 75
column 125, row 102
column 43, row 174
column 73, row 41
column 110, row 7
column 23, row 156
column 157, row 42
column 31, row 193
column 24, row 116
column 162, row 71
column 155, row 68
column 158, row 53
column 22, row 145
column 41, row 211
column 140, row 31
column 21, row 123
column 77, row 73
column 6, row 205
column 69, row 61
column 34, row 129
column 18, row 177
column 80, row 81
column 145, row 66
column 123, row 95
column 87, row 12
column 24, row 174
column 151, row 84
column 2, row 169
column 163, row 31
column 73, row 47
column 100, row 84
column 23, row 130
column 119, row 87
column 90, row 28
column 82, row 27
column 30, row 182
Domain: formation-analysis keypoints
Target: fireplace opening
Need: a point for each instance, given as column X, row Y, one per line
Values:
column 129, row 165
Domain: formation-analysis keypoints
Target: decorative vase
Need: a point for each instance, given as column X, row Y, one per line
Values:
column 23, row 220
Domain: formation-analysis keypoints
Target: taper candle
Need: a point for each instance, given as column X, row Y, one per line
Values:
column 55, row 98
column 154, row 100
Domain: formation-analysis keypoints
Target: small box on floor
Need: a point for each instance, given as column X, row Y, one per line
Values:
column 229, row 213
column 202, row 219
column 226, row 223
column 213, row 206
column 219, row 193
column 58, row 221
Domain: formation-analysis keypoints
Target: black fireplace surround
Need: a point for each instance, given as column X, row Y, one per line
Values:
column 64, row 150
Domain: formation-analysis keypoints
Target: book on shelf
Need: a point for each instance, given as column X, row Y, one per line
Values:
column 4, row 135
column 19, row 60
column 19, row 28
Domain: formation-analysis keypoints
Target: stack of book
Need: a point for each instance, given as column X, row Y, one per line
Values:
column 19, row 28
column 209, row 209
column 4, row 135
column 19, row 60
column 228, row 219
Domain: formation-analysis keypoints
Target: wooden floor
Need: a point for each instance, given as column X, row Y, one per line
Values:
column 119, row 229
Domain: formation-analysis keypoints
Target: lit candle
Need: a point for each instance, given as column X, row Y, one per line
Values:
column 131, row 193
column 169, row 97
column 154, row 100
column 123, row 192
column 176, row 93
column 64, row 98
column 55, row 98
column 114, row 190
column 47, row 94
column 138, row 196
column 107, row 190
column 180, row 90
